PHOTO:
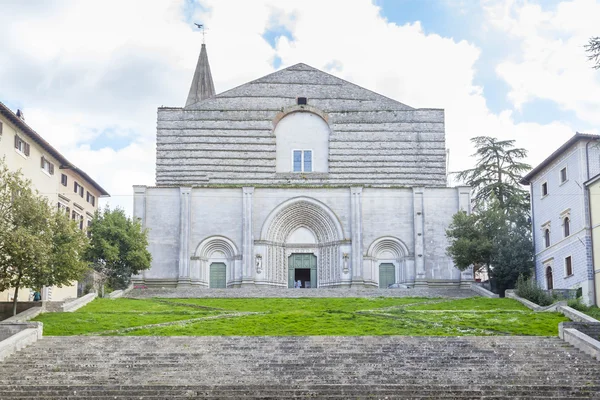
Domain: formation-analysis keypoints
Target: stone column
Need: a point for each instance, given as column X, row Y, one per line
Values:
column 247, row 239
column 418, row 218
column 139, row 212
column 185, row 196
column 356, row 226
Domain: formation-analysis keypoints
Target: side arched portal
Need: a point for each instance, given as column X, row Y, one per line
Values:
column 216, row 257
column 298, row 226
column 388, row 261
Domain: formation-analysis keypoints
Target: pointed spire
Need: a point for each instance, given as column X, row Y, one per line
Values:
column 202, row 85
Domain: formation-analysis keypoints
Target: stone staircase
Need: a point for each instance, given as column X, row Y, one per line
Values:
column 299, row 367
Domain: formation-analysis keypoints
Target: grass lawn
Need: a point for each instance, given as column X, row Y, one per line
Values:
column 310, row 316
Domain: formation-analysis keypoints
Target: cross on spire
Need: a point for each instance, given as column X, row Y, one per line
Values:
column 201, row 26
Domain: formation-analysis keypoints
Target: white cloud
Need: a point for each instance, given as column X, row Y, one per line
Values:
column 551, row 63
column 79, row 68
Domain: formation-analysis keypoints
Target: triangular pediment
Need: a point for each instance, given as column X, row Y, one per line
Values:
column 301, row 80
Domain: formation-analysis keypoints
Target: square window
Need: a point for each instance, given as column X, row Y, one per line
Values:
column 568, row 266
column 21, row 145
column 301, row 101
column 545, row 189
column 563, row 175
column 302, row 160
column 47, row 166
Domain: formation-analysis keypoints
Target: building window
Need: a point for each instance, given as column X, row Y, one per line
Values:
column 568, row 266
column 63, row 179
column 544, row 189
column 21, row 145
column 90, row 198
column 549, row 280
column 77, row 188
column 302, row 160
column 1, row 126
column 567, row 226
column 301, row 101
column 63, row 208
column 563, row 175
column 47, row 166
column 547, row 237
column 75, row 216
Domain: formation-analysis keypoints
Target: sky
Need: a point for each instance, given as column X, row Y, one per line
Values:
column 89, row 75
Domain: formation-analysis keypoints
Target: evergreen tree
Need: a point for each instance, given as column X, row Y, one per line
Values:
column 593, row 48
column 497, row 173
column 494, row 241
column 118, row 247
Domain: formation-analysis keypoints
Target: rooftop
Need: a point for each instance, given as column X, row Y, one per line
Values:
column 64, row 163
column 526, row 180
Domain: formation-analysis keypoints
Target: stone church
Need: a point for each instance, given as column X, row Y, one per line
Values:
column 298, row 179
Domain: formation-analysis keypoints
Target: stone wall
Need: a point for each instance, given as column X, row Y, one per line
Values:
column 230, row 139
column 6, row 307
column 355, row 229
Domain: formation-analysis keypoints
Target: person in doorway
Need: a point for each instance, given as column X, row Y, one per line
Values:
column 299, row 284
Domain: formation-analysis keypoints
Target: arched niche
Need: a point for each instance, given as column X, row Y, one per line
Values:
column 302, row 131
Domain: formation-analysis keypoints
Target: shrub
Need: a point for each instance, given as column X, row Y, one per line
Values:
column 529, row 289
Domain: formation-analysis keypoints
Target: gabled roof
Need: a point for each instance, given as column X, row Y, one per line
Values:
column 303, row 80
column 526, row 180
column 64, row 163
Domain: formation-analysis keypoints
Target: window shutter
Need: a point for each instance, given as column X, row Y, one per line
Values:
column 27, row 149
column 51, row 169
column 1, row 126
column 42, row 162
column 16, row 142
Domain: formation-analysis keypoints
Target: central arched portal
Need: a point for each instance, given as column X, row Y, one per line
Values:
column 302, row 237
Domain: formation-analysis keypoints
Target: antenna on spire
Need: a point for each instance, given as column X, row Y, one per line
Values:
column 201, row 26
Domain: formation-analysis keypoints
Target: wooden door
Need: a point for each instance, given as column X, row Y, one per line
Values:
column 218, row 277
column 387, row 275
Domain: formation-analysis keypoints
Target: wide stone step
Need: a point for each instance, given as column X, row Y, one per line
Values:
column 322, row 390
column 299, row 367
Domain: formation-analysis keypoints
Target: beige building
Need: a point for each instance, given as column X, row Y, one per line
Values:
column 593, row 187
column 65, row 185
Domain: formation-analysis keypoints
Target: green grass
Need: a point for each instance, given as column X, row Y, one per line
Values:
column 308, row 316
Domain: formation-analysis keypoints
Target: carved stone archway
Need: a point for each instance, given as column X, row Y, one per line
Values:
column 215, row 249
column 389, row 249
column 309, row 213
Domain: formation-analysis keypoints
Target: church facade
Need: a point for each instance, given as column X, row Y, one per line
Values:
column 298, row 178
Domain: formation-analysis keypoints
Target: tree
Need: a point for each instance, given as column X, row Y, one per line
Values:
column 493, row 240
column 118, row 247
column 497, row 174
column 593, row 48
column 39, row 246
